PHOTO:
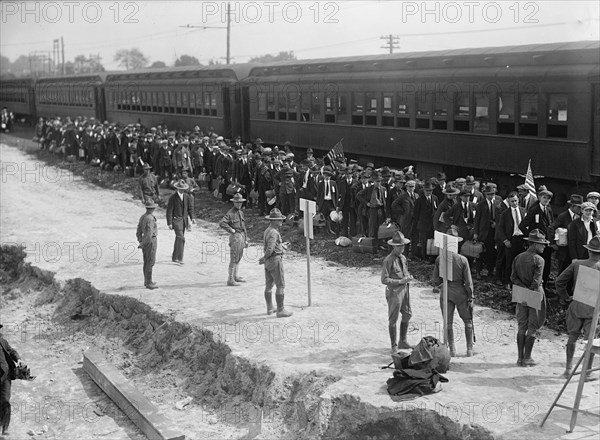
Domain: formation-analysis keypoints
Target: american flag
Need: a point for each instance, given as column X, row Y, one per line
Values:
column 529, row 183
column 336, row 152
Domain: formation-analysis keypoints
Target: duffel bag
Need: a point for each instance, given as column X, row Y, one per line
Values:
column 471, row 249
column 233, row 188
column 364, row 245
column 387, row 230
column 431, row 248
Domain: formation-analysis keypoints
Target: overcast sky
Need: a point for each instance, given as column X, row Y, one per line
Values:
column 312, row 29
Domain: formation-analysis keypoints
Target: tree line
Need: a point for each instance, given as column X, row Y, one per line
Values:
column 127, row 59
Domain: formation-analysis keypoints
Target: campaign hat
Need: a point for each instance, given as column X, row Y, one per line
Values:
column 398, row 239
column 275, row 214
column 593, row 245
column 237, row 197
column 451, row 189
column 150, row 204
column 180, row 184
column 454, row 233
column 537, row 236
column 545, row 192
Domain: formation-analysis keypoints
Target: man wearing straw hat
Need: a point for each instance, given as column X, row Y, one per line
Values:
column 147, row 232
column 272, row 259
column 527, row 272
column 579, row 315
column 179, row 208
column 460, row 296
column 396, row 277
column 235, row 224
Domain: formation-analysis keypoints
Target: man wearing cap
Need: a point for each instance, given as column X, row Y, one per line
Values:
column 541, row 217
column 441, row 219
column 346, row 202
column 563, row 220
column 509, row 234
column 484, row 228
column 527, row 199
column 179, row 208
column 594, row 197
column 310, row 155
column 527, row 270
column 374, row 198
column 9, row 362
column 395, row 275
column 579, row 315
column 235, row 224
column 148, row 185
column 272, row 259
column 581, row 231
column 425, row 207
column 327, row 197
column 147, row 231
column 403, row 208
column 460, row 297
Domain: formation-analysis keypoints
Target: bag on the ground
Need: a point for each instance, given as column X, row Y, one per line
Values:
column 414, row 383
column 432, row 249
column 471, row 249
column 364, row 245
column 387, row 230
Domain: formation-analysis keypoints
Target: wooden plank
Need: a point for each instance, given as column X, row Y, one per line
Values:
column 132, row 402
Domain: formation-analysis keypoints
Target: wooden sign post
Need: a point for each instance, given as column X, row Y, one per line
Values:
column 309, row 208
column 448, row 245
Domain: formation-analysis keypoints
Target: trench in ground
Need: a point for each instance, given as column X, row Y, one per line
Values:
column 234, row 390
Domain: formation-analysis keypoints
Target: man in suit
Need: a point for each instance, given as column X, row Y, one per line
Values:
column 8, row 358
column 461, row 217
column 346, row 203
column 425, row 207
column 263, row 182
column 179, row 208
column 395, row 191
column 563, row 220
column 510, row 235
column 362, row 211
column 541, row 217
column 440, row 186
column 327, row 197
column 287, row 187
column 581, row 232
column 475, row 196
column 441, row 222
column 484, row 228
column 373, row 198
column 526, row 199
column 307, row 185
column 403, row 208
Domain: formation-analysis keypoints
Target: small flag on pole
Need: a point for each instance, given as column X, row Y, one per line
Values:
column 529, row 183
column 336, row 152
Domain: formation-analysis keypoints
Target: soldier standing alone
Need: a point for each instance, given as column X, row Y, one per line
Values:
column 235, row 224
column 147, row 232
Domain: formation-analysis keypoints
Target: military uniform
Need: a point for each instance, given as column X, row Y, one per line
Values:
column 235, row 224
column 8, row 358
column 149, row 188
column 147, row 231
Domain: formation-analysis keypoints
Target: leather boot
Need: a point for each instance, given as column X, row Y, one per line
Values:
column 403, row 332
column 569, row 365
column 230, row 280
column 281, row 311
column 269, row 300
column 527, row 361
column 469, row 337
column 589, row 375
column 150, row 284
column 520, row 348
column 235, row 275
column 451, row 346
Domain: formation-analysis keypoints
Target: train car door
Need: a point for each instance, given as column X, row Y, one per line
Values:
column 596, row 132
column 226, row 97
column 100, row 103
column 245, row 113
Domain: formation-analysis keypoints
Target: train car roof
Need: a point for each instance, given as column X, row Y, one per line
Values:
column 83, row 77
column 232, row 71
column 537, row 54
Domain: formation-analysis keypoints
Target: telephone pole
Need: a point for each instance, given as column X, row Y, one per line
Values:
column 62, row 43
column 228, row 27
column 392, row 42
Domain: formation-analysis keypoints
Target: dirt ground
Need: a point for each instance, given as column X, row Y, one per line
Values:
column 78, row 230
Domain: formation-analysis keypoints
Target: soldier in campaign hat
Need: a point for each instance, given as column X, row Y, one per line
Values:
column 527, row 270
column 234, row 223
column 9, row 362
column 149, row 185
column 395, row 276
column 147, row 232
column 273, row 261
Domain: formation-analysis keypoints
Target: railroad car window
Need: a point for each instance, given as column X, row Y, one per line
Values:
column 462, row 112
column 184, row 103
column 358, row 107
column 213, row 104
column 192, row 103
column 292, row 100
column 315, row 108
column 388, row 106
column 403, row 115
column 305, row 107
column 506, row 114
column 557, row 116
column 528, row 114
column 342, row 110
column 330, row 105
column 424, row 108
column 199, row 102
column 440, row 112
column 329, row 102
column 271, row 105
column 482, row 118
column 262, row 102
column 172, row 102
column 282, row 106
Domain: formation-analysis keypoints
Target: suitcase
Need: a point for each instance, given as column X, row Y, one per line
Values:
column 431, row 249
column 364, row 245
column 386, row 231
column 471, row 249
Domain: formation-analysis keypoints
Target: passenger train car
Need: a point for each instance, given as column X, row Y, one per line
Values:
column 483, row 111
